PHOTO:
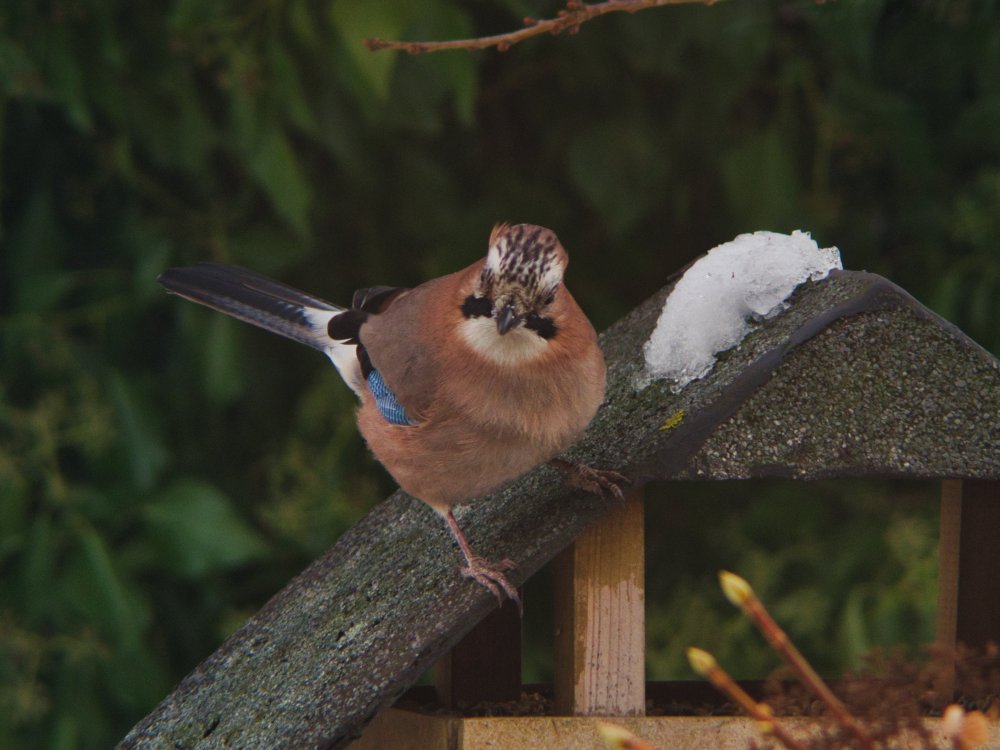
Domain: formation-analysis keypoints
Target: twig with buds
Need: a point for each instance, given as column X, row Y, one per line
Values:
column 740, row 593
column 705, row 664
column 569, row 19
column 618, row 737
column 965, row 730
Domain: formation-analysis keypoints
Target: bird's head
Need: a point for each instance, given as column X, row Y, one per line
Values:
column 519, row 280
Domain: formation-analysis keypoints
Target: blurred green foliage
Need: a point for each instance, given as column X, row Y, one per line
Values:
column 846, row 567
column 163, row 470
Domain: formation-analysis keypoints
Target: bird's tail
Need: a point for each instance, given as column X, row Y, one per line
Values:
column 267, row 304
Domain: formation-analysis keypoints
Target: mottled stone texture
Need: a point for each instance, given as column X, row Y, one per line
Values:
column 854, row 378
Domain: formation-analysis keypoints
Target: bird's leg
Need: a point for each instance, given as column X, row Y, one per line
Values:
column 489, row 574
column 596, row 481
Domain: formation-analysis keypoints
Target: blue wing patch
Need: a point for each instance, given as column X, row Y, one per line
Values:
column 386, row 401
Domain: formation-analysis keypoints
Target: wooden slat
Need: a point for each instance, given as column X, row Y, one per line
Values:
column 949, row 545
column 978, row 619
column 409, row 730
column 948, row 555
column 600, row 646
column 486, row 664
column 401, row 730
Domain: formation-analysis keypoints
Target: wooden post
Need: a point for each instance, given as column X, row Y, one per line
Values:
column 978, row 603
column 949, row 545
column 949, row 539
column 600, row 639
column 486, row 664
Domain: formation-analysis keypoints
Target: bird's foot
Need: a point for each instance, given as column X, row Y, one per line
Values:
column 595, row 481
column 491, row 575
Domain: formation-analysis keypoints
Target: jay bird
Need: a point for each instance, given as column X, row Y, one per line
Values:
column 466, row 381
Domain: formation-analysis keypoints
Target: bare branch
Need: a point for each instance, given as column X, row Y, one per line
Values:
column 569, row 20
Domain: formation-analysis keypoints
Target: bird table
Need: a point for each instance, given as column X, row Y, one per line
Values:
column 854, row 379
column 599, row 646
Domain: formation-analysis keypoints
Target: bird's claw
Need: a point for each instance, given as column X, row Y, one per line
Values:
column 595, row 481
column 491, row 575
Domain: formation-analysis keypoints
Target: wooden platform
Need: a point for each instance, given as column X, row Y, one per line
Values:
column 599, row 646
column 406, row 730
column 397, row 729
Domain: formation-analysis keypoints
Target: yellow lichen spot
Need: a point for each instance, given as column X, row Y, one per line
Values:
column 673, row 420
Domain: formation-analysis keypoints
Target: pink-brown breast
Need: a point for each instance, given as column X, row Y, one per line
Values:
column 482, row 424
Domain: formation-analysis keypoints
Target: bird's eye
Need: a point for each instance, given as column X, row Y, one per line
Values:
column 477, row 307
column 544, row 327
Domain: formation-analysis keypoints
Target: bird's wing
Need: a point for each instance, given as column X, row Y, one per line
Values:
column 403, row 342
column 376, row 299
column 270, row 305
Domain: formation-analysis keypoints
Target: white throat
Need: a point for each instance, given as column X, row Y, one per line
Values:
column 515, row 347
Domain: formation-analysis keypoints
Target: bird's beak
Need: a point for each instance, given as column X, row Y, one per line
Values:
column 507, row 319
